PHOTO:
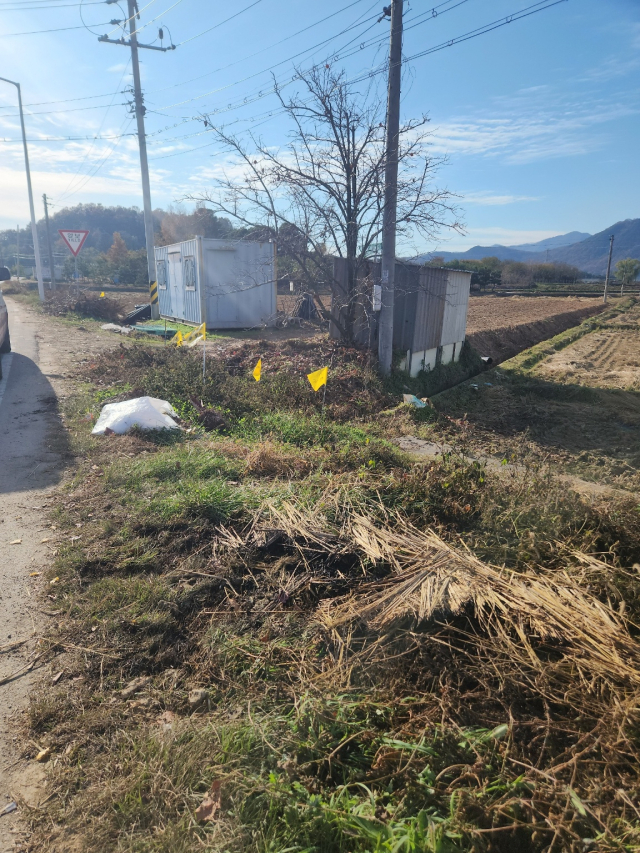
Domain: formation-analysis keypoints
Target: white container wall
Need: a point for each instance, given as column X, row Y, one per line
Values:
column 228, row 284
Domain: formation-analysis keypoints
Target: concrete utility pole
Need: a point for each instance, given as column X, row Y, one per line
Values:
column 385, row 330
column 52, row 269
column 18, row 252
column 144, row 164
column 133, row 13
column 606, row 281
column 34, row 230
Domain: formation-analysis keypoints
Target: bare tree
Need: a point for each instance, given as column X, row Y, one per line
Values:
column 321, row 196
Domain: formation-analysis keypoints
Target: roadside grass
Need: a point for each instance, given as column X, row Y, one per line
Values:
column 176, row 566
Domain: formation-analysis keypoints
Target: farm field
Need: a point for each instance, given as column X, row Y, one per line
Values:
column 496, row 312
column 576, row 406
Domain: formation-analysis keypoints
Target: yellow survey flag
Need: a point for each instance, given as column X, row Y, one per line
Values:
column 101, row 294
column 194, row 333
column 177, row 338
column 318, row 378
column 257, row 370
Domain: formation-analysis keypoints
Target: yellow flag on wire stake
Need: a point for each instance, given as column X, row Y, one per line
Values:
column 318, row 378
column 200, row 332
column 102, row 295
column 177, row 339
column 257, row 370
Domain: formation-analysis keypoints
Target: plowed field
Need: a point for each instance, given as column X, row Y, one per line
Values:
column 606, row 359
column 499, row 312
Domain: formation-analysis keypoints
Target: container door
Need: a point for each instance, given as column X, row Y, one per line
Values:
column 175, row 285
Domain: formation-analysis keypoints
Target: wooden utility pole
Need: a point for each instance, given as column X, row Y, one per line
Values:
column 606, row 281
column 52, row 269
column 388, row 265
column 139, row 109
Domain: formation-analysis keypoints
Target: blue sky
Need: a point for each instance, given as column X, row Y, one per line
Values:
column 539, row 119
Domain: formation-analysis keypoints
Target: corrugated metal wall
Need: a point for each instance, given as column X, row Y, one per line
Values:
column 419, row 307
column 192, row 304
column 239, row 280
column 430, row 310
column 454, row 322
column 162, row 277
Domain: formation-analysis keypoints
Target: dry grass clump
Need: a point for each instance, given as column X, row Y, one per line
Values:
column 267, row 459
column 87, row 304
column 526, row 615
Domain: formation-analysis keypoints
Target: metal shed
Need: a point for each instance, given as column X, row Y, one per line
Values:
column 229, row 284
column 429, row 317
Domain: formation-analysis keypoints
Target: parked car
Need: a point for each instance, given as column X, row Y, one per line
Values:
column 5, row 340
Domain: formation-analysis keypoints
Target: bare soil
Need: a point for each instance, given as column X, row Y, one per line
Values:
column 578, row 407
column 501, row 312
column 607, row 358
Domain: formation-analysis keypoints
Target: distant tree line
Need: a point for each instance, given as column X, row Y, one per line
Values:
column 491, row 272
column 115, row 247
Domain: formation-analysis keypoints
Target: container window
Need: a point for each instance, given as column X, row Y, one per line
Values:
column 161, row 272
column 189, row 273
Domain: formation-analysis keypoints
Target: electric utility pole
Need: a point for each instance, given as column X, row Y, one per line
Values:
column 52, row 269
column 34, row 230
column 18, row 252
column 606, row 281
column 139, row 109
column 388, row 265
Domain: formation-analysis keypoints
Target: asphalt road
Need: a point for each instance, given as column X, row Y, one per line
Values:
column 32, row 460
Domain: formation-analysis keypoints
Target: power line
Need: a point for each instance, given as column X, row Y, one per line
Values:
column 338, row 54
column 543, row 4
column 69, row 138
column 523, row 13
column 62, row 101
column 432, row 13
column 56, row 30
column 70, row 193
column 256, row 53
column 47, row 6
column 263, row 70
column 104, row 118
column 123, row 24
column 139, row 30
column 215, row 27
column 72, row 110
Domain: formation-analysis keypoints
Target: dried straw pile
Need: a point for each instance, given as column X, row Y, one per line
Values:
column 549, row 627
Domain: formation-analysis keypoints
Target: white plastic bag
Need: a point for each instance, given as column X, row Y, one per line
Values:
column 143, row 412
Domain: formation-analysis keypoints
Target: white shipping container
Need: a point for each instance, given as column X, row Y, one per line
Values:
column 229, row 284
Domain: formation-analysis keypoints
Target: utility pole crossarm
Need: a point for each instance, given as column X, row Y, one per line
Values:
column 124, row 43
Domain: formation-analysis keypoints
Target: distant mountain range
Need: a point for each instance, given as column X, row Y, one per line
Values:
column 587, row 252
column 553, row 242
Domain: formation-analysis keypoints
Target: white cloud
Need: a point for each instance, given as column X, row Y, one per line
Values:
column 537, row 123
column 489, row 199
